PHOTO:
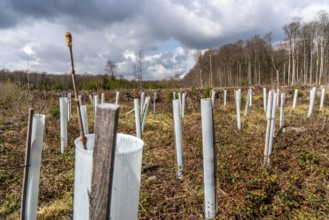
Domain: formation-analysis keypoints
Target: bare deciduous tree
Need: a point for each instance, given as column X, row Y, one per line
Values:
column 110, row 68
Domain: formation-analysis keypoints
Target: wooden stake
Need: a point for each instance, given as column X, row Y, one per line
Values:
column 27, row 163
column 107, row 116
column 82, row 134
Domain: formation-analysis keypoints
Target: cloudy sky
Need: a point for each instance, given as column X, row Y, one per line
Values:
column 32, row 32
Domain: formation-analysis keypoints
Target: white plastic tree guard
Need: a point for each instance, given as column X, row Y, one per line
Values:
column 268, row 127
column 183, row 105
column 102, row 98
column 69, row 106
column 126, row 177
column 323, row 92
column 312, row 96
column 84, row 118
column 209, row 159
column 154, row 101
column 278, row 93
column 294, row 103
column 178, row 137
column 250, row 97
column 270, row 146
column 142, row 103
column 174, row 95
column 80, row 99
column 63, row 122
column 145, row 110
column 91, row 101
column 270, row 133
column 225, row 94
column 237, row 102
column 33, row 180
column 213, row 96
column 180, row 99
column 247, row 103
column 96, row 102
column 264, row 99
column 137, row 119
column 283, row 99
column 117, row 95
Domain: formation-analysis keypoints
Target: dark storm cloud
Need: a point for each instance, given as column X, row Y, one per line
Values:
column 83, row 12
column 8, row 17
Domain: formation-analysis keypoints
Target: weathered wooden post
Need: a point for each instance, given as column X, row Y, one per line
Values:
column 209, row 159
column 107, row 116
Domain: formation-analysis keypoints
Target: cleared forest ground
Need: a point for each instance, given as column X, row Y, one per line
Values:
column 296, row 185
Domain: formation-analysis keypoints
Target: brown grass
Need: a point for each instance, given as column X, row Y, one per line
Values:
column 294, row 186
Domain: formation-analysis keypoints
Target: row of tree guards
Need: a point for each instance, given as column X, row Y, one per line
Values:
column 131, row 157
column 65, row 104
column 208, row 133
column 108, row 165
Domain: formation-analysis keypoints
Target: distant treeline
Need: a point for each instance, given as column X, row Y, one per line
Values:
column 302, row 58
column 62, row 82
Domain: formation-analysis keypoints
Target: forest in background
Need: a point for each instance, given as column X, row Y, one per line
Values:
column 301, row 58
column 62, row 82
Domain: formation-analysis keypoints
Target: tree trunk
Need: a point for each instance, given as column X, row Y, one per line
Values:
column 321, row 63
column 201, row 79
column 304, row 66
column 317, row 66
column 249, row 71
column 284, row 73
column 289, row 67
column 310, row 71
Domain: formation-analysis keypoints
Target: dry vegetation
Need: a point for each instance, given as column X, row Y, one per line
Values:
column 295, row 186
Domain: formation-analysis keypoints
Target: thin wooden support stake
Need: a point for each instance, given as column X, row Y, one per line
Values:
column 82, row 133
column 27, row 163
